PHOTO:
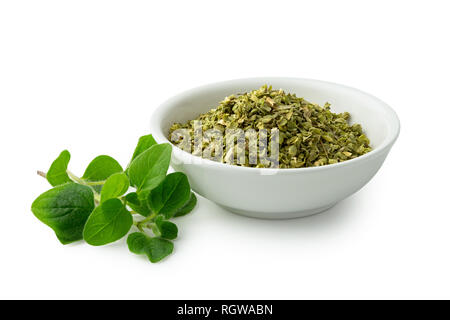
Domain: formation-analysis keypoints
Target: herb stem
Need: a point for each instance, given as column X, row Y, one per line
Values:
column 138, row 225
column 149, row 218
column 149, row 225
column 85, row 183
column 42, row 174
column 95, row 183
column 144, row 223
column 75, row 178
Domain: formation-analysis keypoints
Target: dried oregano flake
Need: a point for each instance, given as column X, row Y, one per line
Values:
column 309, row 135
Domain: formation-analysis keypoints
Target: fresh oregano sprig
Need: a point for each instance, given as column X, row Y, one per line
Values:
column 101, row 208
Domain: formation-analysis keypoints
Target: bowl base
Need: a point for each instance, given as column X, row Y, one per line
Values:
column 277, row 215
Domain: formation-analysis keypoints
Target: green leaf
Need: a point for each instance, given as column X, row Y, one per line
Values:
column 137, row 205
column 166, row 229
column 138, row 242
column 65, row 209
column 172, row 194
column 109, row 222
column 101, row 168
column 144, row 143
column 159, row 249
column 57, row 174
column 150, row 167
column 115, row 186
column 188, row 207
column 156, row 249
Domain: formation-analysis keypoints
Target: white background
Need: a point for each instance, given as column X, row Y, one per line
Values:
column 86, row 75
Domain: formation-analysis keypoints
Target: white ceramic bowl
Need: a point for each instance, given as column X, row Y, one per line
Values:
column 280, row 193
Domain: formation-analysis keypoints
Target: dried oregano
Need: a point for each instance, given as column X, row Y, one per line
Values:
column 309, row 135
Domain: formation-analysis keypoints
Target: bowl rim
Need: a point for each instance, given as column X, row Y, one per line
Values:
column 160, row 137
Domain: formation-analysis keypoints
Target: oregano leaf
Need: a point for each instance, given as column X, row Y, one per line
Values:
column 57, row 174
column 159, row 249
column 65, row 209
column 188, row 207
column 166, row 229
column 109, row 222
column 144, row 143
column 115, row 186
column 149, row 168
column 137, row 242
column 172, row 194
column 137, row 205
column 155, row 249
column 101, row 168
